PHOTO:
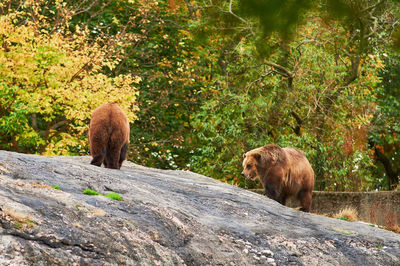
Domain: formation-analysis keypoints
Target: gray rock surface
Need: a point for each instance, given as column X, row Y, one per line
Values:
column 165, row 218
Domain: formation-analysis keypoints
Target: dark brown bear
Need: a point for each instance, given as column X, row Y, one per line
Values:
column 109, row 136
column 283, row 172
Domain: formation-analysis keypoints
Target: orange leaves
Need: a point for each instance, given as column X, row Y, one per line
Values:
column 356, row 139
column 175, row 5
column 376, row 61
column 380, row 148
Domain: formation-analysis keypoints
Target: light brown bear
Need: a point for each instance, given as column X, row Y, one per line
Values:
column 109, row 136
column 283, row 172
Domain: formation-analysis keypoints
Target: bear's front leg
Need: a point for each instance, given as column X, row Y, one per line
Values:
column 275, row 193
column 270, row 192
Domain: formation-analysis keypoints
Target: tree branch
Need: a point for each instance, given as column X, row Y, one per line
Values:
column 287, row 73
column 373, row 6
column 233, row 14
column 192, row 11
column 282, row 71
column 299, row 123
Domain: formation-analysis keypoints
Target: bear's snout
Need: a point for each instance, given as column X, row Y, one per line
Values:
column 246, row 176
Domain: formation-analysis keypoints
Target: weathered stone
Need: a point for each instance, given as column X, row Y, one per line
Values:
column 267, row 252
column 165, row 218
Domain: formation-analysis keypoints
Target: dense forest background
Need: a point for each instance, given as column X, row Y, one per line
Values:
column 203, row 81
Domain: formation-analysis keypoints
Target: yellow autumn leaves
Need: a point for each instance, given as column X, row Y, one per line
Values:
column 50, row 82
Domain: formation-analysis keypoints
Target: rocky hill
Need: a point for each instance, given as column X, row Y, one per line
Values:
column 164, row 218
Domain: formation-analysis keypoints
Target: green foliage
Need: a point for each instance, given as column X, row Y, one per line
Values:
column 163, row 54
column 110, row 195
column 56, row 187
column 284, row 16
column 315, row 110
column 215, row 79
column 113, row 195
column 91, row 192
column 385, row 128
column 343, row 218
column 276, row 15
column 23, row 224
column 167, row 63
column 17, row 225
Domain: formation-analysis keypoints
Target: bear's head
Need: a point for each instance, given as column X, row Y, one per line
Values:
column 250, row 163
column 257, row 161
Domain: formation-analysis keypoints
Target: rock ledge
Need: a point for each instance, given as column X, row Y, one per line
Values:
column 165, row 218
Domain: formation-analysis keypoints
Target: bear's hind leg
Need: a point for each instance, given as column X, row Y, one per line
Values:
column 106, row 163
column 123, row 154
column 98, row 157
column 112, row 156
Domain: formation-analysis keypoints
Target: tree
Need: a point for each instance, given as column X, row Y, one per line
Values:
column 163, row 54
column 385, row 130
column 313, row 88
column 51, row 80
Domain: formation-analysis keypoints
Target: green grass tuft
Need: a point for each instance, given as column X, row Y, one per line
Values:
column 91, row 192
column 114, row 196
column 17, row 225
column 55, row 187
column 111, row 195
column 342, row 218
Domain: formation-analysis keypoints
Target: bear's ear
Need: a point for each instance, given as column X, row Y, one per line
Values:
column 257, row 156
column 244, row 155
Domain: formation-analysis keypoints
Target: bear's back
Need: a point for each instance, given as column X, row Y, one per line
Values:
column 109, row 115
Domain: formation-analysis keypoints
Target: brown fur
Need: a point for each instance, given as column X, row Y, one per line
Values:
column 283, row 172
column 109, row 136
